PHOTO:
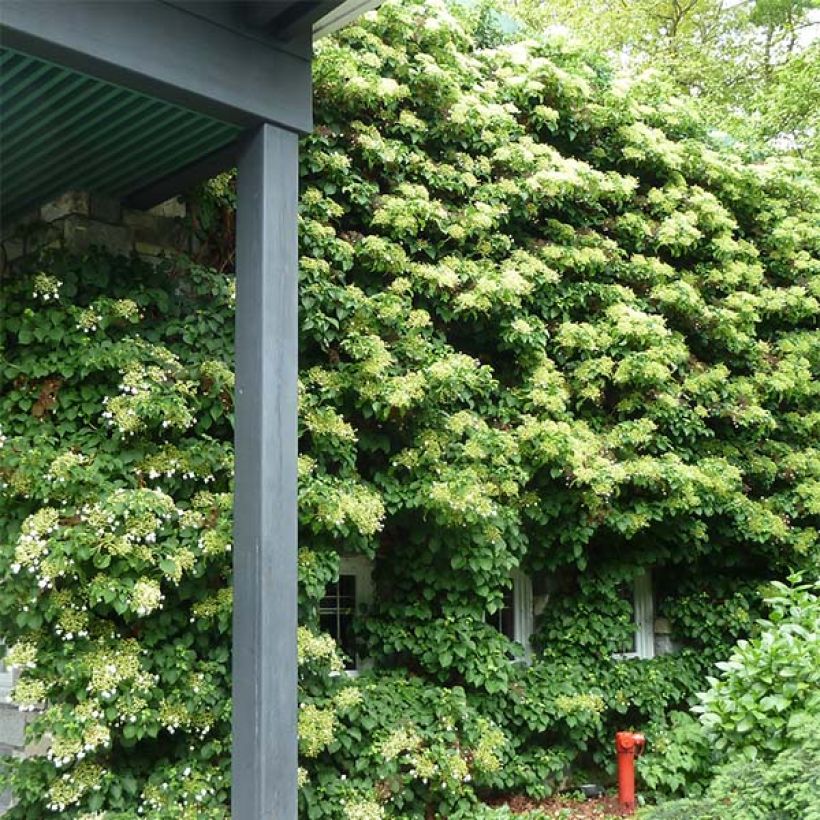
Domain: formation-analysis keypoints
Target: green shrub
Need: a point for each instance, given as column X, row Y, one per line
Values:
column 787, row 786
column 679, row 758
column 760, row 722
column 771, row 683
column 784, row 787
column 688, row 809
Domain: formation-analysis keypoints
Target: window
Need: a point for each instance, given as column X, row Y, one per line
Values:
column 644, row 617
column 515, row 617
column 643, row 608
column 336, row 612
column 503, row 619
column 342, row 600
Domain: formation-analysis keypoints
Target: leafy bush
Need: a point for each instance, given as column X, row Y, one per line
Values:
column 788, row 786
column 760, row 722
column 770, row 685
column 116, row 531
column 713, row 615
column 679, row 760
column 544, row 324
column 785, row 787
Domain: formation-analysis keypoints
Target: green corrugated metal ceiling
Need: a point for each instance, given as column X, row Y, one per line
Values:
column 63, row 130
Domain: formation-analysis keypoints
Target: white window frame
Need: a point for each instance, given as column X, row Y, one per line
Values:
column 523, row 613
column 644, row 604
column 643, row 607
column 361, row 568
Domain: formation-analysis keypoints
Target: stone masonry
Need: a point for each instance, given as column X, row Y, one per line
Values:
column 79, row 220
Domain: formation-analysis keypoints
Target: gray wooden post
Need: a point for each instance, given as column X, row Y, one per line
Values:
column 265, row 504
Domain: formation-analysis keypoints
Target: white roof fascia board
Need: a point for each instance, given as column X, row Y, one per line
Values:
column 342, row 15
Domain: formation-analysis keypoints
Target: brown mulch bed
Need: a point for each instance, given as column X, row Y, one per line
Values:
column 567, row 808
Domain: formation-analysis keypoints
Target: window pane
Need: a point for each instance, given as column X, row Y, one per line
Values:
column 504, row 619
column 336, row 615
column 347, row 585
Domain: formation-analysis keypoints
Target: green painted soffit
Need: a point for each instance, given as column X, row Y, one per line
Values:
column 62, row 130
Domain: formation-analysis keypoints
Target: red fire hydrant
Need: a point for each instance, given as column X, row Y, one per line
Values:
column 629, row 745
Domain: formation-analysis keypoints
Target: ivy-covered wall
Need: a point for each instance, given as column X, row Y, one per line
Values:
column 545, row 325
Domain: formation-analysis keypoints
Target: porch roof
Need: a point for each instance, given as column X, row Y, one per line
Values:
column 138, row 99
column 66, row 130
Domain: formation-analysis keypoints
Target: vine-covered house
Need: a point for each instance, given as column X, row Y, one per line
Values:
column 557, row 392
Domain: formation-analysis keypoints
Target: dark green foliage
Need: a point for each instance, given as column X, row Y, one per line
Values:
column 760, row 723
column 786, row 787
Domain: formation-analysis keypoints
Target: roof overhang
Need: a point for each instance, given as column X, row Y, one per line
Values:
column 141, row 98
column 341, row 15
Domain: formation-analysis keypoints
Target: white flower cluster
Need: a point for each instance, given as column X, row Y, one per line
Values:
column 60, row 469
column 65, row 750
column 398, row 742
column 73, row 785
column 89, row 320
column 22, row 655
column 464, row 494
column 146, row 596
column 28, row 694
column 191, row 788
column 362, row 809
column 111, row 668
column 73, row 618
column 322, row 648
column 46, row 288
column 33, row 544
column 148, row 392
column 316, row 729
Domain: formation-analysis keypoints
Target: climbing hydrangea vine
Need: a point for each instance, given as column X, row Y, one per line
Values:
column 545, row 325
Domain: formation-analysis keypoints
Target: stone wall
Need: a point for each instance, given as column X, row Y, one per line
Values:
column 78, row 220
column 13, row 741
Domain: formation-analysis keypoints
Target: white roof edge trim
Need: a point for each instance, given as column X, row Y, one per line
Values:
column 342, row 15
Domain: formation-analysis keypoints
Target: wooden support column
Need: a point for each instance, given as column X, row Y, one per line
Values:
column 265, row 503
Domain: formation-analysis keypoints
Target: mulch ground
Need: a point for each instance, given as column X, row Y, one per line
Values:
column 567, row 808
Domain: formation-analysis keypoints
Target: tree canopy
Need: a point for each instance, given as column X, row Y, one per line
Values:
column 752, row 66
